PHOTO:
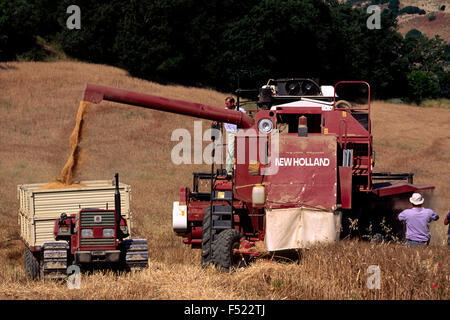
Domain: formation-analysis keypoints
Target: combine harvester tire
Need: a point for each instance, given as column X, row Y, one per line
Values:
column 227, row 241
column 207, row 234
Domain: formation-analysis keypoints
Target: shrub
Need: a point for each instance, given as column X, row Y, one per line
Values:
column 422, row 85
column 431, row 16
column 413, row 33
column 411, row 10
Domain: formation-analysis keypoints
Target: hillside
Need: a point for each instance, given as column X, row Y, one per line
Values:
column 439, row 26
column 427, row 5
column 38, row 105
column 439, row 8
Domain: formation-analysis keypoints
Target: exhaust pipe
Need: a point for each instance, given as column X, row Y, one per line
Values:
column 117, row 205
column 302, row 127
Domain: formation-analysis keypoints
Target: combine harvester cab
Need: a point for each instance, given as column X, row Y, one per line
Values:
column 303, row 173
column 78, row 226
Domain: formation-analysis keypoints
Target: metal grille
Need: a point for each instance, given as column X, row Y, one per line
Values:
column 88, row 219
column 97, row 242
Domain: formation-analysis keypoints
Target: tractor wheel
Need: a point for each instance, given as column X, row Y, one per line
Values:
column 31, row 265
column 207, row 234
column 223, row 248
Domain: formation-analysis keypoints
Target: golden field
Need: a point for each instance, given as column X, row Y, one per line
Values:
column 38, row 106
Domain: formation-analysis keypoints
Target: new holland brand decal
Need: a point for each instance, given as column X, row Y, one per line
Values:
column 302, row 162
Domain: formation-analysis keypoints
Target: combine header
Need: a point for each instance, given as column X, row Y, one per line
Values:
column 303, row 173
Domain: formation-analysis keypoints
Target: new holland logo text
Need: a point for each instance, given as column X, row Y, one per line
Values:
column 302, row 162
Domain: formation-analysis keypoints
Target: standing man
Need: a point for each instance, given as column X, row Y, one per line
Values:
column 446, row 221
column 417, row 221
column 231, row 134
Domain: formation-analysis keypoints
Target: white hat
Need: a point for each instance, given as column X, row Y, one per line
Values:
column 416, row 199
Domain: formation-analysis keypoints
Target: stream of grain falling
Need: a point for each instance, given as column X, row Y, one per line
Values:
column 71, row 167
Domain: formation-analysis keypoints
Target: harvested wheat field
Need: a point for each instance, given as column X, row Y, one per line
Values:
column 38, row 108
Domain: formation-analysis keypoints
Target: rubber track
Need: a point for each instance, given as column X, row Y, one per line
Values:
column 54, row 260
column 136, row 254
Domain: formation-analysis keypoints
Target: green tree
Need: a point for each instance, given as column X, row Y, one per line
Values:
column 428, row 56
column 17, row 28
column 4, row 20
column 411, row 10
column 206, row 43
column 422, row 85
column 394, row 6
column 413, row 33
column 94, row 42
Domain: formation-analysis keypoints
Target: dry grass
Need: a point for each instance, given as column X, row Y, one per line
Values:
column 335, row 272
column 38, row 105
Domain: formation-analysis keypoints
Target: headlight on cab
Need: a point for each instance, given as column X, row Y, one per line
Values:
column 108, row 232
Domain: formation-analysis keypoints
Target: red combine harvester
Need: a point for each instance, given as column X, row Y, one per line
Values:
column 303, row 173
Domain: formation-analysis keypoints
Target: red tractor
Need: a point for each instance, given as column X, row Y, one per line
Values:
column 93, row 237
column 303, row 174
